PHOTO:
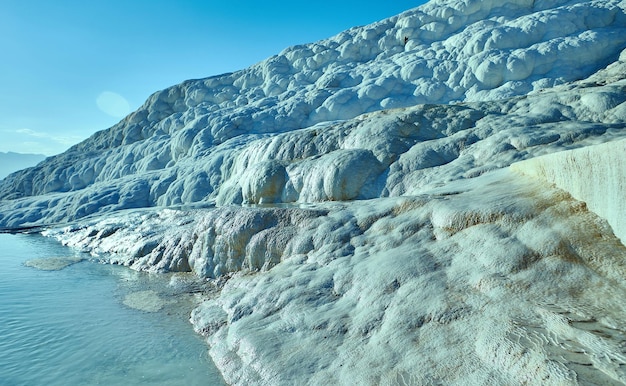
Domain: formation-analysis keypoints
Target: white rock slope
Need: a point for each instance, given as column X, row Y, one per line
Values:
column 352, row 200
column 594, row 174
column 191, row 143
column 499, row 279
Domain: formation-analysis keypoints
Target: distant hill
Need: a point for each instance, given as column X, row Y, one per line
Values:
column 11, row 162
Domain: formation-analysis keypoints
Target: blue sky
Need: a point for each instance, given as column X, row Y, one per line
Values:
column 73, row 67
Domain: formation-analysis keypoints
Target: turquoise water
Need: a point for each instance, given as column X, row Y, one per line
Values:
column 70, row 326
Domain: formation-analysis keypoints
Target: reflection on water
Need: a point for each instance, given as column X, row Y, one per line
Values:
column 70, row 326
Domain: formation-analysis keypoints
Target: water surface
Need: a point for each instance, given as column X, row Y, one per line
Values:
column 71, row 327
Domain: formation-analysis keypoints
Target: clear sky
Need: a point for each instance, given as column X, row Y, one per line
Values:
column 69, row 68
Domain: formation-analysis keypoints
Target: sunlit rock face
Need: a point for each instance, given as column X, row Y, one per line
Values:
column 353, row 204
column 494, row 279
column 206, row 140
column 594, row 174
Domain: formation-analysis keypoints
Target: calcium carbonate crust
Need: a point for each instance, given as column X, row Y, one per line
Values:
column 182, row 145
column 466, row 273
column 352, row 200
column 496, row 280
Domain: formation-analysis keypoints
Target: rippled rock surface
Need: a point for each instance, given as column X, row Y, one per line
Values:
column 352, row 206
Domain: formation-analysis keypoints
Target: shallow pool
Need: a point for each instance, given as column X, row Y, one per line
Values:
column 71, row 326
